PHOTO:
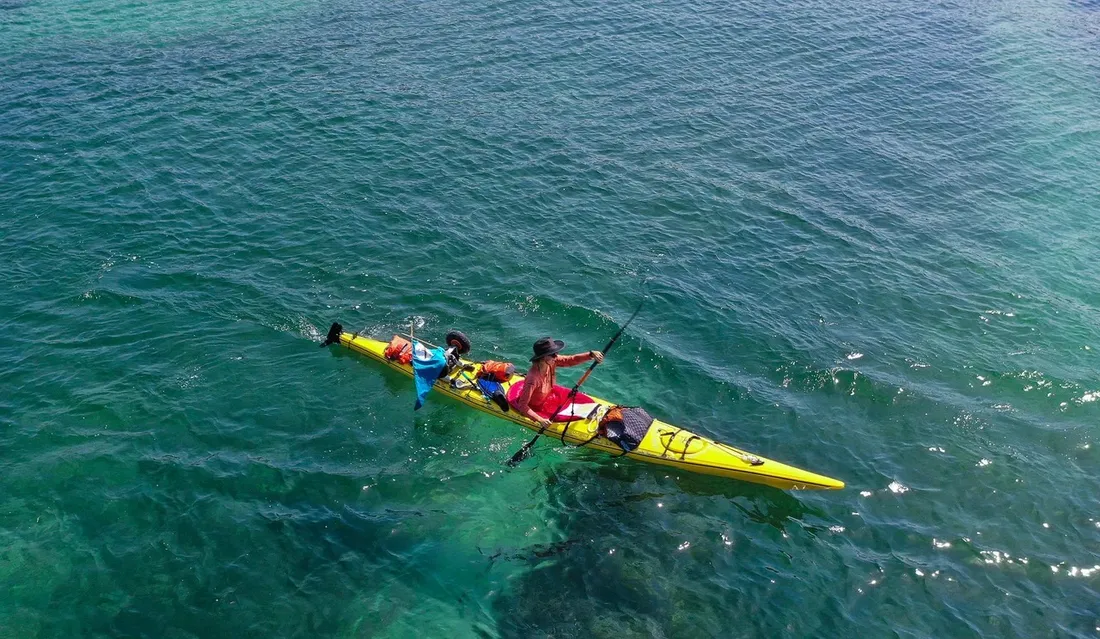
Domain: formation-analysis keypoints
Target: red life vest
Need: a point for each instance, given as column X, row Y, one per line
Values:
column 399, row 350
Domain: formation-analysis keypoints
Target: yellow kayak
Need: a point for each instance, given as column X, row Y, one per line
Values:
column 663, row 444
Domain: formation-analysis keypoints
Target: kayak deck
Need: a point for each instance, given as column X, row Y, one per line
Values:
column 664, row 444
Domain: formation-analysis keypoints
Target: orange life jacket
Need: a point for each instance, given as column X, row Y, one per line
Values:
column 614, row 414
column 399, row 350
column 497, row 371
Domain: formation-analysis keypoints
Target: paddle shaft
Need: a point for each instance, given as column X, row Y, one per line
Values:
column 522, row 453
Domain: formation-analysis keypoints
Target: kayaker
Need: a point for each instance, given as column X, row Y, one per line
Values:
column 539, row 383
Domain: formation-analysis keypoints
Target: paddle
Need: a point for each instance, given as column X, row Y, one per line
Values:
column 524, row 452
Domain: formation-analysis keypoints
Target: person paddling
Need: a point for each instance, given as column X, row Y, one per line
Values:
column 539, row 383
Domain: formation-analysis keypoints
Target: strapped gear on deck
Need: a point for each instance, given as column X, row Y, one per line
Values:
column 494, row 392
column 497, row 371
column 626, row 426
column 399, row 350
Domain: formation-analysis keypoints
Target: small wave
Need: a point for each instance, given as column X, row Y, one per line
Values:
column 309, row 331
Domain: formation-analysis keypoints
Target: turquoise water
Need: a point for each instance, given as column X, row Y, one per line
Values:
column 870, row 237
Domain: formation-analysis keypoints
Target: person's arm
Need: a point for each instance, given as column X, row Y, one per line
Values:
column 534, row 377
column 579, row 358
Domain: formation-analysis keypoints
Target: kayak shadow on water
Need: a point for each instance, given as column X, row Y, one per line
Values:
column 615, row 567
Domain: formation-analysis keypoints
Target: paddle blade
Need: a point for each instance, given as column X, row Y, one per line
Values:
column 333, row 336
column 521, row 454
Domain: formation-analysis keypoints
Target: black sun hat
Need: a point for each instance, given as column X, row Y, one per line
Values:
column 546, row 346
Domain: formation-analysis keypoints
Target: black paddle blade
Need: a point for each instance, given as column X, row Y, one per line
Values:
column 521, row 454
column 333, row 336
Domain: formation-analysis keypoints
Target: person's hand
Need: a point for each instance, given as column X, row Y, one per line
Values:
column 544, row 423
column 597, row 355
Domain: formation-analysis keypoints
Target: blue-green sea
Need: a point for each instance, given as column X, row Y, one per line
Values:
column 867, row 233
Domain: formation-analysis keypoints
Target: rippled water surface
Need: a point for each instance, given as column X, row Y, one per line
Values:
column 870, row 235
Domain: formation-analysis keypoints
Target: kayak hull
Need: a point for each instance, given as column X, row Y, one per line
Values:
column 664, row 444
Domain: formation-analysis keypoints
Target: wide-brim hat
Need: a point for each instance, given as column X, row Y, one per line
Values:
column 546, row 346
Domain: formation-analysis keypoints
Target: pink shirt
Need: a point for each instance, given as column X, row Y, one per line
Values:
column 540, row 380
